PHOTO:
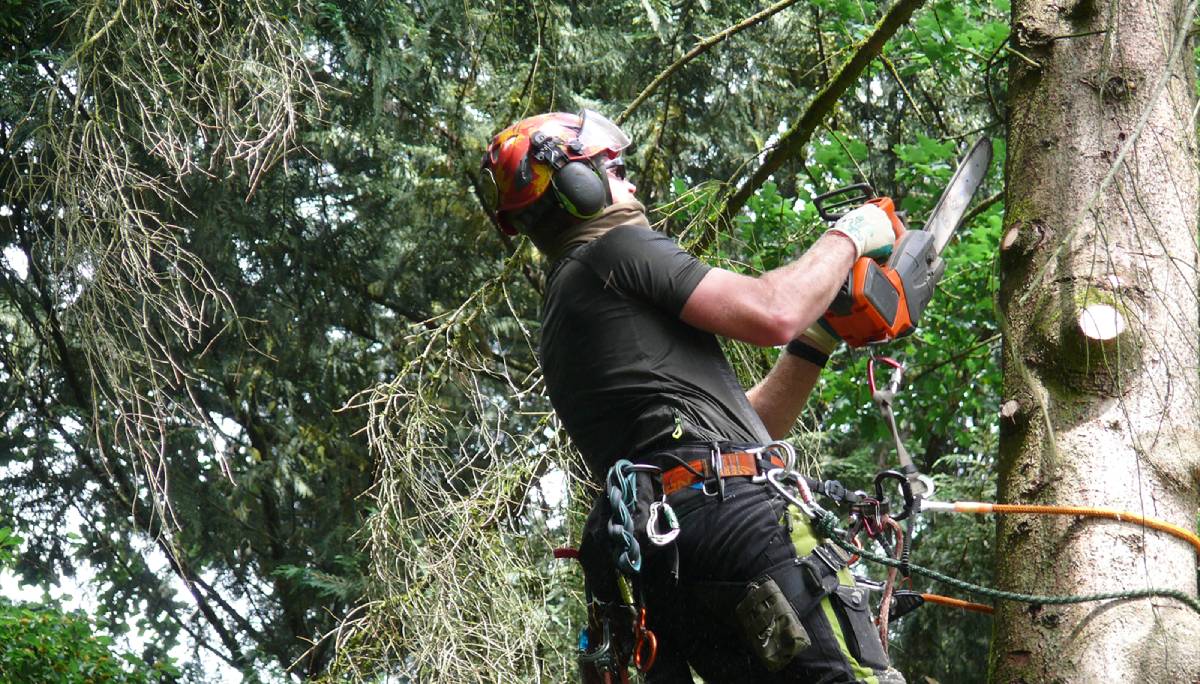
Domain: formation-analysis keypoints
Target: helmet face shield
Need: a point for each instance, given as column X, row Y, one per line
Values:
column 597, row 132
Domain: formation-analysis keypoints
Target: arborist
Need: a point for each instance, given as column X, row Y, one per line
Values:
column 723, row 580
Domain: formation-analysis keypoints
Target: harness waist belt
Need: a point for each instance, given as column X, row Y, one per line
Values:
column 731, row 464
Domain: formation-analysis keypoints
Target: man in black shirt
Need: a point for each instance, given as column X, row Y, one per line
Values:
column 634, row 371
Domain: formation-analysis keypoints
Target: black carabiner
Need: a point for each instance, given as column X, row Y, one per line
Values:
column 910, row 501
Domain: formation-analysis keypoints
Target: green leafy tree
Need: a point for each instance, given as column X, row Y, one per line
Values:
column 39, row 642
column 234, row 237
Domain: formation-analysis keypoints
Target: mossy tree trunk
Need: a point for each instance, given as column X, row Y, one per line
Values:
column 1100, row 359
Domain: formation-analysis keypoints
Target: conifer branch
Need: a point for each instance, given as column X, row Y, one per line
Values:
column 698, row 49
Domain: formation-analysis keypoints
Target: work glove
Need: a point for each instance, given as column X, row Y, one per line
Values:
column 870, row 229
column 820, row 338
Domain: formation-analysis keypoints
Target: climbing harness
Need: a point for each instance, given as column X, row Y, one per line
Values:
column 617, row 631
column 635, row 520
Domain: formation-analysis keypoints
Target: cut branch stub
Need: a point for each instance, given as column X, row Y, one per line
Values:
column 1010, row 408
column 1010, row 237
column 1100, row 351
column 1101, row 322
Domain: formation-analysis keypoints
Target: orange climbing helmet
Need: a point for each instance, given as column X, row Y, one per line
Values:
column 565, row 154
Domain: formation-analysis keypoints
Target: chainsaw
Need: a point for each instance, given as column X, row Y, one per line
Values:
column 880, row 302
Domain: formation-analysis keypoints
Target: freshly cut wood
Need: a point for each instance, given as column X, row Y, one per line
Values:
column 1101, row 322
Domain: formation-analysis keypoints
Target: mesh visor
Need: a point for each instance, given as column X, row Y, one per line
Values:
column 597, row 132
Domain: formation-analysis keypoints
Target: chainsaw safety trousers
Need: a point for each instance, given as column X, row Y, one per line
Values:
column 870, row 229
column 758, row 599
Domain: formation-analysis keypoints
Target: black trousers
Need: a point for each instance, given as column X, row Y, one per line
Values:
column 723, row 545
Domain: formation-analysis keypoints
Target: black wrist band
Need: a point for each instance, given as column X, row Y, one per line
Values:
column 807, row 352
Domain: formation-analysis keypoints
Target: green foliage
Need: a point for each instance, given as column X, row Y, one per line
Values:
column 365, row 265
column 42, row 643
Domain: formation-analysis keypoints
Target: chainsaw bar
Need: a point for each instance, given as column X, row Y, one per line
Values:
column 948, row 213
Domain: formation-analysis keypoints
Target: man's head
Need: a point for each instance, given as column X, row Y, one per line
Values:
column 552, row 171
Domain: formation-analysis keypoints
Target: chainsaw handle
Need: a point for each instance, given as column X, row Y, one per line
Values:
column 889, row 208
column 850, row 196
column 835, row 204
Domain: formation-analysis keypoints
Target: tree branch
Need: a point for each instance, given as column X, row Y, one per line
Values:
column 793, row 141
column 981, row 207
column 698, row 49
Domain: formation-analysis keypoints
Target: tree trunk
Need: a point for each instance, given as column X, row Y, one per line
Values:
column 1100, row 359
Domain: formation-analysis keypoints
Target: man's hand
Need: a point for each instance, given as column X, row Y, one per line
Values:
column 819, row 338
column 869, row 228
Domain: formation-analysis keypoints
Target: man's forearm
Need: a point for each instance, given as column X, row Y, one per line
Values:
column 809, row 283
column 779, row 398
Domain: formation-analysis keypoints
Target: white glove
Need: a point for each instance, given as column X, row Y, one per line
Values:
column 869, row 228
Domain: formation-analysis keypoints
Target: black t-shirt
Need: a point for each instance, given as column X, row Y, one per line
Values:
column 625, row 375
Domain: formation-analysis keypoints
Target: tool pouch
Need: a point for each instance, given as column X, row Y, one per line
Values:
column 862, row 638
column 770, row 609
column 770, row 625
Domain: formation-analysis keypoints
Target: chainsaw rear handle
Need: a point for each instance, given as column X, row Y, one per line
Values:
column 835, row 204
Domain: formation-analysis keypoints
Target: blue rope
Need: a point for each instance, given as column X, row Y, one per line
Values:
column 622, row 499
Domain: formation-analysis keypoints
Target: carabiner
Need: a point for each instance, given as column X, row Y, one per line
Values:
column 601, row 656
column 906, row 490
column 893, row 385
column 645, row 644
column 664, row 509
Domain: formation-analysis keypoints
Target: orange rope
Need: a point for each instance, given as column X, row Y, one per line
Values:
column 1111, row 514
column 957, row 603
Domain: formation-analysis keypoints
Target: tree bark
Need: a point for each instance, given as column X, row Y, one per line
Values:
column 1098, row 303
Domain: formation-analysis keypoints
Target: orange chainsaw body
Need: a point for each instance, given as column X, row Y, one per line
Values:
column 883, row 301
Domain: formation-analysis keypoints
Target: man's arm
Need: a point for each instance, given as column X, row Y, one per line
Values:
column 780, row 396
column 777, row 306
column 781, row 305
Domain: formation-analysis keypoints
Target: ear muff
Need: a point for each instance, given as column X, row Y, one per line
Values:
column 580, row 186
column 581, row 189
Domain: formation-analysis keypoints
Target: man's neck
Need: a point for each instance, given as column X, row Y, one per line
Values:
column 630, row 213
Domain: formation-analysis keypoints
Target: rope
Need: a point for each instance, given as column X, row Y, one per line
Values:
column 622, row 496
column 981, row 508
column 957, row 603
column 827, row 525
column 885, row 604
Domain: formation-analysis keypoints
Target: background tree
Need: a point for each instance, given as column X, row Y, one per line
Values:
column 1099, row 277
column 39, row 642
